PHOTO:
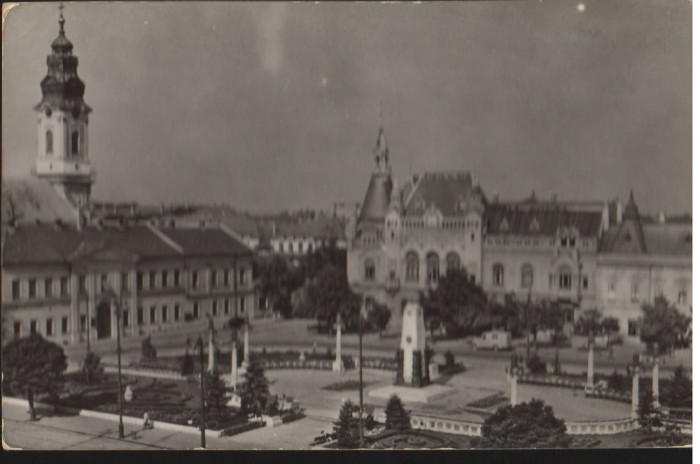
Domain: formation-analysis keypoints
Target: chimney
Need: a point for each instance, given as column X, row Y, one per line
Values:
column 662, row 217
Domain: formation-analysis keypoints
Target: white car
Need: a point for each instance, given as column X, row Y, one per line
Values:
column 494, row 340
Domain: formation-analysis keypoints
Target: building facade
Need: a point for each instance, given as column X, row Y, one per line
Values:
column 639, row 261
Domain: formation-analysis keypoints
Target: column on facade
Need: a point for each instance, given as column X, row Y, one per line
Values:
column 212, row 351
column 338, row 364
column 133, row 306
column 91, row 284
column 74, row 309
column 114, row 306
column 234, row 365
column 635, row 393
column 655, row 382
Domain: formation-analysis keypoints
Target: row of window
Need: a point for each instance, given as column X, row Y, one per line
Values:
column 52, row 288
column 74, row 142
column 34, row 327
column 563, row 277
column 682, row 296
column 412, row 271
column 288, row 247
column 566, row 242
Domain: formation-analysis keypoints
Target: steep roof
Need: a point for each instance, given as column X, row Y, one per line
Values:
column 540, row 219
column 205, row 241
column 321, row 227
column 660, row 240
column 446, row 191
column 377, row 198
column 31, row 200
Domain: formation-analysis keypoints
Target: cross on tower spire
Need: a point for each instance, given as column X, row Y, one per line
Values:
column 61, row 20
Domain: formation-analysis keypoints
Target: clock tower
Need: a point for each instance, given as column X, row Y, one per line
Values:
column 62, row 125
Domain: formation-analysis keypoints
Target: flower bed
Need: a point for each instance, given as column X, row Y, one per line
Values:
column 348, row 385
column 489, row 401
column 376, row 362
column 552, row 381
column 291, row 416
column 240, row 428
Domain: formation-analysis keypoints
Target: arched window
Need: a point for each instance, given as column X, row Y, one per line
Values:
column 433, row 262
column 412, row 267
column 49, row 142
column 369, row 269
column 498, row 275
column 75, row 142
column 453, row 262
column 526, row 276
column 565, row 278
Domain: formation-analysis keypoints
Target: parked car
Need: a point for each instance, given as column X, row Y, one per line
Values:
column 494, row 340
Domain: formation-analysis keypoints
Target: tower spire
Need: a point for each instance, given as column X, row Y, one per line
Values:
column 381, row 149
column 61, row 20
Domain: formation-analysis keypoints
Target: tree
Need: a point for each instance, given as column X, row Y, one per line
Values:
column 616, row 381
column 536, row 365
column 610, row 325
column 328, row 294
column 449, row 358
column 589, row 322
column 679, row 392
column 557, row 364
column 662, row 325
column 215, row 396
column 148, row 351
column 648, row 414
column 456, row 301
column 255, row 389
column 379, row 315
column 91, row 368
column 552, row 316
column 187, row 366
column 525, row 425
column 33, row 365
column 396, row 416
column 275, row 277
column 346, row 428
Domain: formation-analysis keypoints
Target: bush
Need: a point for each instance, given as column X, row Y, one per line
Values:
column 526, row 425
column 536, row 365
column 449, row 359
column 187, row 366
column 396, row 416
column 91, row 369
column 346, row 428
column 148, row 351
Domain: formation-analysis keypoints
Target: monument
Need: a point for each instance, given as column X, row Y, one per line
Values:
column 412, row 383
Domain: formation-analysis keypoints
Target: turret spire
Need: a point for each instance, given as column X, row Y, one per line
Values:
column 381, row 149
column 61, row 20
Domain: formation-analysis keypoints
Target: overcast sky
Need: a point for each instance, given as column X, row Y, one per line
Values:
column 272, row 106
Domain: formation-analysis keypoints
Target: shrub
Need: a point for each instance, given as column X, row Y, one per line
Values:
column 346, row 428
column 187, row 366
column 526, row 425
column 396, row 415
column 449, row 358
column 148, row 351
column 536, row 365
column 91, row 369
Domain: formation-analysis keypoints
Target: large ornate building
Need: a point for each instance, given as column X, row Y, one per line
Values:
column 63, row 270
column 405, row 237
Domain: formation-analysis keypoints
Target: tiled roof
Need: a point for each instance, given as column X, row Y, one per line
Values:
column 540, row 219
column 660, row 240
column 449, row 192
column 321, row 227
column 34, row 200
column 377, row 198
column 205, row 241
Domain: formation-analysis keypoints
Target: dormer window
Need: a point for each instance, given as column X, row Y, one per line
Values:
column 572, row 241
column 74, row 142
column 49, row 142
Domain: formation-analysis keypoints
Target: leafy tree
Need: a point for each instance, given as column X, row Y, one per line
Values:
column 525, row 425
column 616, row 381
column 648, row 414
column 187, row 365
column 215, row 396
column 679, row 392
column 589, row 322
column 536, row 365
column 456, row 301
column 346, row 427
column 33, row 365
column 148, row 351
column 328, row 294
column 662, row 325
column 378, row 316
column 396, row 416
column 255, row 389
column 91, row 369
column 551, row 316
column 610, row 325
column 449, row 358
column 276, row 283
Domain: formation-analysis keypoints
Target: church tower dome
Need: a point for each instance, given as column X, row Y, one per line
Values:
column 62, row 124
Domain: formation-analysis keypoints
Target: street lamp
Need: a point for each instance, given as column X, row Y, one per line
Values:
column 200, row 345
column 361, row 423
column 117, row 301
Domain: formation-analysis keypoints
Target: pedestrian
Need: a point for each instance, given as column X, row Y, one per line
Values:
column 30, row 399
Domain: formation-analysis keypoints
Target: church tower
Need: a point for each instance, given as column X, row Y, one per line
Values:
column 62, row 125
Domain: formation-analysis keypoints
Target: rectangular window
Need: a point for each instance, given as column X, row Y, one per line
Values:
column 125, row 318
column 82, row 284
column 227, row 277
column 153, row 315
column 139, row 315
column 125, row 281
column 572, row 241
column 226, row 308
column 164, row 313
column 214, row 278
column 241, row 276
column 83, row 322
column 103, row 282
column 565, row 281
column 634, row 293
column 64, row 325
column 63, row 286
column 152, row 279
column 176, row 312
column 176, row 278
column 164, row 279
column 242, row 304
column 15, row 290
column 139, row 280
column 563, row 241
column 17, row 329
column 32, row 327
column 195, row 310
column 32, row 288
column 584, row 282
column 214, row 308
column 48, row 287
column 195, row 279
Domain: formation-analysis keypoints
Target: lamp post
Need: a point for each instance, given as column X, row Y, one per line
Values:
column 119, row 366
column 361, row 422
column 200, row 345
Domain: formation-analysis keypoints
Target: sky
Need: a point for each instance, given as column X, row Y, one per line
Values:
column 274, row 106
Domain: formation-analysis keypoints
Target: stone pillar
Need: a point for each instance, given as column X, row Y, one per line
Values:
column 635, row 393
column 212, row 351
column 246, row 348
column 74, row 309
column 234, row 365
column 589, row 382
column 655, row 383
column 513, row 389
column 338, row 363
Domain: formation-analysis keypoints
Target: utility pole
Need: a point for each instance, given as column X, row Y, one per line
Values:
column 119, row 366
column 200, row 345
